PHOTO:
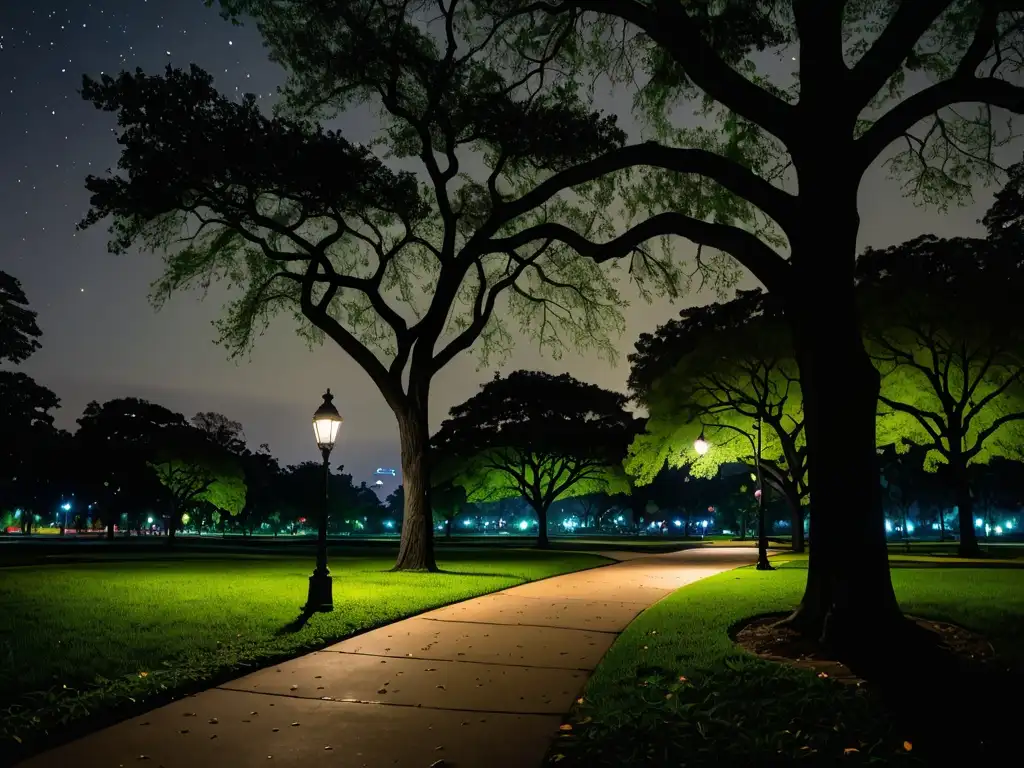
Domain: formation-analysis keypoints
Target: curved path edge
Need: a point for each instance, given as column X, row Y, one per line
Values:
column 484, row 682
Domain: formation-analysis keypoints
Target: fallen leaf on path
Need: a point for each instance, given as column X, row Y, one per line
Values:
column 850, row 750
column 565, row 727
column 907, row 746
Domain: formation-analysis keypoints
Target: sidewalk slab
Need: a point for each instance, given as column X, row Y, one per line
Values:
column 511, row 608
column 303, row 733
column 481, row 683
column 420, row 638
column 408, row 682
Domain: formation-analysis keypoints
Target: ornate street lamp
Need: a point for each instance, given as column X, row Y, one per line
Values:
column 326, row 423
column 700, row 445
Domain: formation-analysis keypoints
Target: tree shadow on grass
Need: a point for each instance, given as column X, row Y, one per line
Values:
column 516, row 577
column 954, row 709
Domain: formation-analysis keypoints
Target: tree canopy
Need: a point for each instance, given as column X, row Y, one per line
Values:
column 19, row 332
column 221, row 430
column 195, row 469
column 716, row 371
column 118, row 439
column 942, row 325
column 538, row 436
column 723, row 372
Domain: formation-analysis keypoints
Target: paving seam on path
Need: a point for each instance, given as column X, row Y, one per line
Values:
column 485, row 675
column 521, row 624
column 437, row 658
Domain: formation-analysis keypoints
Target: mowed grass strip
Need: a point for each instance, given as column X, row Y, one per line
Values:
column 79, row 638
column 675, row 690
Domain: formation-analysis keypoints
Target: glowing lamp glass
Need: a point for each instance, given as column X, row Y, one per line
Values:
column 700, row 445
column 326, row 423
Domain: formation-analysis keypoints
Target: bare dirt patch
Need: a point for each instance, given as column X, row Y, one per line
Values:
column 764, row 637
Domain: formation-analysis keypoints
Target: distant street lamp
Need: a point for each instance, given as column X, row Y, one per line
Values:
column 700, row 445
column 326, row 423
column 762, row 529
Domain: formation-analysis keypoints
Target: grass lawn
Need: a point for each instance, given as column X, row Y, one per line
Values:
column 735, row 709
column 80, row 640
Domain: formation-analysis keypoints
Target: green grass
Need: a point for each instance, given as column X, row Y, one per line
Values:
column 81, row 639
column 735, row 709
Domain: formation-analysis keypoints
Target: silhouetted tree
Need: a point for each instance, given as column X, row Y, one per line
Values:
column 943, row 326
column 195, row 469
column 448, row 500
column 19, row 333
column 116, row 442
column 221, row 430
column 262, row 472
column 536, row 435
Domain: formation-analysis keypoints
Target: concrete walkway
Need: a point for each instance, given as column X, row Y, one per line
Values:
column 485, row 682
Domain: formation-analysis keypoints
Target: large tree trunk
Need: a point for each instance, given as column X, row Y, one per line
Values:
column 849, row 600
column 968, row 546
column 416, row 551
column 542, row 525
column 172, row 524
column 797, row 521
column 110, row 530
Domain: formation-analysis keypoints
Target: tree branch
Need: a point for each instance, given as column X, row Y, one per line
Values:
column 912, row 110
column 766, row 265
column 667, row 24
column 891, row 48
column 775, row 202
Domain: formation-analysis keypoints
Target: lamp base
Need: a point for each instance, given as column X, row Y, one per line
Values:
column 320, row 598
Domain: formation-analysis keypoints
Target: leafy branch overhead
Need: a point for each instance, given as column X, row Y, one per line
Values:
column 381, row 261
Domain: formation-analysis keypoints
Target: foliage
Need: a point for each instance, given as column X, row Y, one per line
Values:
column 943, row 329
column 448, row 501
column 538, row 436
column 165, row 635
column 117, row 440
column 221, row 430
column 24, row 404
column 715, row 372
column 262, row 475
column 395, row 502
column 19, row 332
column 195, row 469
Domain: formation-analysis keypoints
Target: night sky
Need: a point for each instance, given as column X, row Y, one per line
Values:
column 102, row 339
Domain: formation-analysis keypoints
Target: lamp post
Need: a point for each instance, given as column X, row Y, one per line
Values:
column 326, row 423
column 762, row 530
